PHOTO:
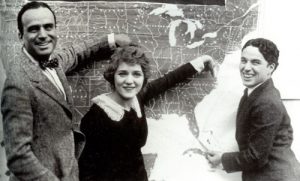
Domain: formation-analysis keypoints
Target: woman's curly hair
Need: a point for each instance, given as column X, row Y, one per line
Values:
column 267, row 48
column 131, row 54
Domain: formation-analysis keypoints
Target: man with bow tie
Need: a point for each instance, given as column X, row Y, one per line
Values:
column 263, row 128
column 42, row 138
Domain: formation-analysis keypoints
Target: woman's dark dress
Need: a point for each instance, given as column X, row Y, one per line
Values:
column 113, row 148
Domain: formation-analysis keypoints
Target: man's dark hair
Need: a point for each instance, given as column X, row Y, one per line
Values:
column 267, row 48
column 31, row 5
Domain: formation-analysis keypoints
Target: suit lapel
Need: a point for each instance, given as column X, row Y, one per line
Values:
column 242, row 105
column 259, row 90
column 43, row 83
column 65, row 85
column 254, row 95
column 246, row 103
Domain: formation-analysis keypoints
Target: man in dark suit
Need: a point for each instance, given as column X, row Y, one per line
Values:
column 263, row 128
column 41, row 136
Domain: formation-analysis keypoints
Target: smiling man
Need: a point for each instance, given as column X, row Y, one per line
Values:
column 38, row 32
column 42, row 138
column 263, row 128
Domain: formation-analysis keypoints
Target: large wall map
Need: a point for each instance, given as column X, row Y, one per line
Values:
column 199, row 2
column 170, row 34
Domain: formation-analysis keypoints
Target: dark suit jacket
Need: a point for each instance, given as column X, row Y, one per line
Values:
column 41, row 136
column 264, row 136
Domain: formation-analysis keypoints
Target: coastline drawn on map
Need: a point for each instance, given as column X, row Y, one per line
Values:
column 170, row 35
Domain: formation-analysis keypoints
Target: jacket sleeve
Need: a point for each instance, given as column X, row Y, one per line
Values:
column 18, row 134
column 168, row 81
column 265, row 118
column 81, row 54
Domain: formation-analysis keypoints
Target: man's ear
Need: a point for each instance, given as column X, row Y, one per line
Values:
column 272, row 67
column 20, row 36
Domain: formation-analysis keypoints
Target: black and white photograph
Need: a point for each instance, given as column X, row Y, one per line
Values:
column 149, row 90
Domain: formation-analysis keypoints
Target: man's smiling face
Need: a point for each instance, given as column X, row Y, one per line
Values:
column 39, row 35
column 254, row 68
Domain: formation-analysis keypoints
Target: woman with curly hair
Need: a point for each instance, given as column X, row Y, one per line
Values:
column 115, row 126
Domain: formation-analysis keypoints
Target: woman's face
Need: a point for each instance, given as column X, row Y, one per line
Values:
column 129, row 79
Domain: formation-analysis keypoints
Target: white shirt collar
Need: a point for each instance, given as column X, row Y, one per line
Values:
column 49, row 73
column 114, row 110
column 250, row 90
column 33, row 60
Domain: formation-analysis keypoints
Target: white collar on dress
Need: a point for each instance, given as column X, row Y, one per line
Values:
column 114, row 110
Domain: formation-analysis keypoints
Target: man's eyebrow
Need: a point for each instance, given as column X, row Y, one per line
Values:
column 33, row 26
column 255, row 60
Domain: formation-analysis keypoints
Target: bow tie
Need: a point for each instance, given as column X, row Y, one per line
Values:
column 52, row 63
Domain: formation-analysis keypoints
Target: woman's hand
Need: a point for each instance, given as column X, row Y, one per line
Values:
column 206, row 63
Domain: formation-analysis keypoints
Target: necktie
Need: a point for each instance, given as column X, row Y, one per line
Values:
column 246, row 93
column 52, row 63
column 242, row 103
column 244, row 98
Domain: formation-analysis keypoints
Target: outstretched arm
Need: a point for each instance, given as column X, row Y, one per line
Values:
column 265, row 120
column 81, row 54
column 181, row 74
